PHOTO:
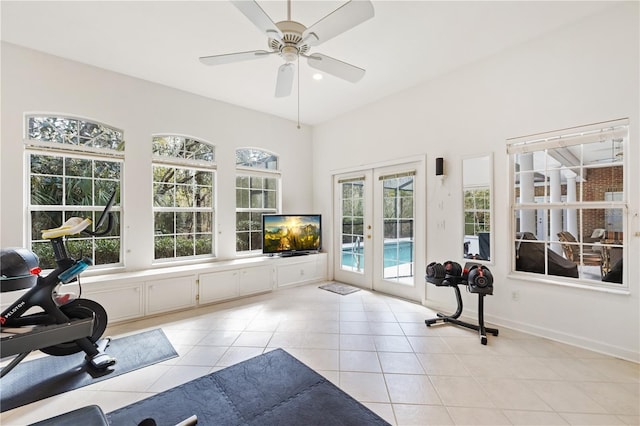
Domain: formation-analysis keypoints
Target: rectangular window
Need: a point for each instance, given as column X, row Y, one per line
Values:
column 477, row 208
column 569, row 204
column 477, row 222
column 65, row 186
column 255, row 196
column 183, row 211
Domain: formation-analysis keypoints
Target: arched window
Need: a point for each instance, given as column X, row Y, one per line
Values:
column 257, row 193
column 183, row 197
column 74, row 166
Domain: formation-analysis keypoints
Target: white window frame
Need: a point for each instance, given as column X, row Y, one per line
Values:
column 582, row 135
column 75, row 146
column 260, row 172
column 185, row 161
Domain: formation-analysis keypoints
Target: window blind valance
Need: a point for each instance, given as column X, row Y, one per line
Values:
column 615, row 130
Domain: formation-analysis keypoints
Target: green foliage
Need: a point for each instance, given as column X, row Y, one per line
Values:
column 107, row 251
column 80, row 247
column 204, row 244
column 46, row 190
column 168, row 246
column 164, row 247
column 184, row 246
column 44, row 251
column 242, row 241
column 477, row 206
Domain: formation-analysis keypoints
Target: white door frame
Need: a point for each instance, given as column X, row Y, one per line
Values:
column 371, row 276
column 361, row 276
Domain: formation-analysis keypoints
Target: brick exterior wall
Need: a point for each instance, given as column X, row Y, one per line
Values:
column 598, row 181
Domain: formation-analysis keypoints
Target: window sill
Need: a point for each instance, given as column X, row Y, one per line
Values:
column 623, row 291
column 189, row 269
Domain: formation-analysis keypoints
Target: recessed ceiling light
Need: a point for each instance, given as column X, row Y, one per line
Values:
column 317, row 76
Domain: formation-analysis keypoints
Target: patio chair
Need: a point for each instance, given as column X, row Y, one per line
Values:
column 573, row 251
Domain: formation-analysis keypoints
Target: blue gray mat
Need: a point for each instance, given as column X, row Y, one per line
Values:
column 41, row 378
column 271, row 389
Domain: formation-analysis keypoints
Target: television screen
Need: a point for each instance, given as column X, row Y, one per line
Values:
column 291, row 233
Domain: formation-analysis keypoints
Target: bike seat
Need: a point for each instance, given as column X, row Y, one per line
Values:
column 72, row 226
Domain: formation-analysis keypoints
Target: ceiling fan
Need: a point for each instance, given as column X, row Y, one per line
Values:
column 291, row 40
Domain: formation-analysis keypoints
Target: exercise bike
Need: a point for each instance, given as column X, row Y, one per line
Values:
column 66, row 324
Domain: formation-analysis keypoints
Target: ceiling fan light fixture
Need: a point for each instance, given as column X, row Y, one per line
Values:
column 289, row 53
column 317, row 76
column 290, row 46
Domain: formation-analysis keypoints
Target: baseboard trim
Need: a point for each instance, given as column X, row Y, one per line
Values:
column 471, row 315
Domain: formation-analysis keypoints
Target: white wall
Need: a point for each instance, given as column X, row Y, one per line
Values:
column 36, row 82
column 585, row 73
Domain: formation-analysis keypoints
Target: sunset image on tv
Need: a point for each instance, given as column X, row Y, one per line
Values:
column 291, row 233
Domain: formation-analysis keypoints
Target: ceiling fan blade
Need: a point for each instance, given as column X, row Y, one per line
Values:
column 284, row 83
column 335, row 67
column 340, row 20
column 229, row 58
column 259, row 17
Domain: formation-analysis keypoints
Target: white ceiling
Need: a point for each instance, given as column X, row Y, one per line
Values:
column 407, row 42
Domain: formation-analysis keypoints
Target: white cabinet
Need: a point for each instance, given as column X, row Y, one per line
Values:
column 133, row 295
column 224, row 285
column 170, row 294
column 217, row 286
column 256, row 280
column 296, row 273
column 121, row 302
column 301, row 270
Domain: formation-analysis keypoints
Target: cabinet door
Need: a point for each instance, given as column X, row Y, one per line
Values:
column 256, row 280
column 170, row 294
column 296, row 273
column 299, row 271
column 218, row 286
column 121, row 303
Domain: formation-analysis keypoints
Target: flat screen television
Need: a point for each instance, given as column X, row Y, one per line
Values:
column 291, row 234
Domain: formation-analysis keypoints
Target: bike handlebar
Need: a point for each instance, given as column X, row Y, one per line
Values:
column 76, row 225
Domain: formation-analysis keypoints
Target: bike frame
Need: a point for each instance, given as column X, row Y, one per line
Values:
column 42, row 295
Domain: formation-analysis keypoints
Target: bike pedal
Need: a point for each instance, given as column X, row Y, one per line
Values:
column 102, row 361
column 103, row 343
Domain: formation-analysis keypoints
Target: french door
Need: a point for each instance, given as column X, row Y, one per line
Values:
column 380, row 228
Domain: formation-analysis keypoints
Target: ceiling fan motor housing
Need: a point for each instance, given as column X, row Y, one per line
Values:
column 291, row 35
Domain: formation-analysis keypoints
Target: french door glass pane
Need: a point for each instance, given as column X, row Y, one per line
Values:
column 398, row 227
column 352, row 234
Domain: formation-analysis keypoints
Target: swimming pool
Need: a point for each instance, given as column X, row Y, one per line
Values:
column 395, row 253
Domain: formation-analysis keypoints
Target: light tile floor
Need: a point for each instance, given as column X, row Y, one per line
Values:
column 378, row 349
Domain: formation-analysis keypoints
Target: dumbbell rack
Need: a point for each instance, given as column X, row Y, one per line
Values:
column 480, row 328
